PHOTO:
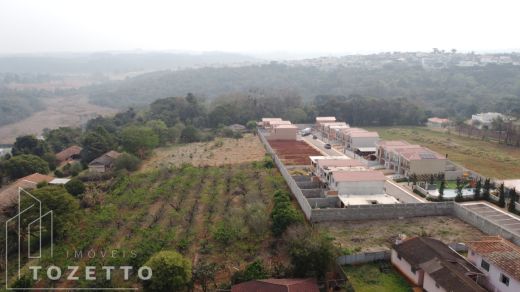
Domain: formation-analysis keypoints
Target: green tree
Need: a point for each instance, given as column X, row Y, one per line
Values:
column 512, row 200
column 23, row 165
column 127, row 161
column 486, row 189
column 204, row 274
column 139, row 140
column 478, row 189
column 441, row 189
column 62, row 204
column 63, row 137
column 96, row 143
column 171, row 272
column 161, row 130
column 501, row 196
column 29, row 145
column 283, row 214
column 251, row 125
column 75, row 187
column 311, row 252
column 254, row 271
column 460, row 186
column 190, row 134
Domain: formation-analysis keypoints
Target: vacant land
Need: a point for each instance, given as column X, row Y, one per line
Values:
column 65, row 111
column 368, row 278
column 488, row 158
column 210, row 214
column 381, row 234
column 294, row 152
column 222, row 151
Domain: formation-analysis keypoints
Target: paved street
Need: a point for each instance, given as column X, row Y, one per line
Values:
column 319, row 144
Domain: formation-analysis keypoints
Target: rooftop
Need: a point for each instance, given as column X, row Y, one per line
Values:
column 67, row 153
column 390, row 143
column 499, row 251
column 277, row 285
column 438, row 120
column 270, row 119
column 322, row 119
column 364, row 134
column 355, row 176
column 354, row 200
column 339, row 162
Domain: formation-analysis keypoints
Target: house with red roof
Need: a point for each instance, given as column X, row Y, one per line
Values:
column 437, row 123
column 69, row 154
column 277, row 285
column 499, row 260
column 9, row 194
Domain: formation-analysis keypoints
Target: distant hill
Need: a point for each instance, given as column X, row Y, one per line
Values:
column 449, row 92
column 115, row 62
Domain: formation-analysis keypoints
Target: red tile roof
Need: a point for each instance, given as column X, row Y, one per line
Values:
column 9, row 195
column 68, row 153
column 499, row 251
column 277, row 285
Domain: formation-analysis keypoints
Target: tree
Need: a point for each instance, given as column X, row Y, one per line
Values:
column 441, row 189
column 251, row 125
column 190, row 134
column 29, row 145
column 75, row 187
column 478, row 189
column 63, row 137
column 139, row 140
column 512, row 200
column 171, row 272
column 204, row 274
column 62, row 204
column 487, row 189
column 311, row 252
column 460, row 186
column 127, row 161
column 23, row 165
column 96, row 143
column 254, row 271
column 501, row 196
column 283, row 213
column 161, row 130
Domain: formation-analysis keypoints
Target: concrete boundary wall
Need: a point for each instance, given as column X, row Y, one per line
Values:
column 296, row 191
column 375, row 212
column 398, row 193
column 363, row 258
column 484, row 224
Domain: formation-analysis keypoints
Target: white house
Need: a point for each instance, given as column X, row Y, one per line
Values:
column 367, row 182
column 435, row 267
column 499, row 260
column 437, row 123
column 486, row 119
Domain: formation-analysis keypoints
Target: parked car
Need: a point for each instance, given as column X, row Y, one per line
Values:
column 314, row 137
column 305, row 134
column 327, row 146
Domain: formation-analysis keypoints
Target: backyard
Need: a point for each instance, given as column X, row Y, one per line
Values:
column 485, row 157
column 369, row 278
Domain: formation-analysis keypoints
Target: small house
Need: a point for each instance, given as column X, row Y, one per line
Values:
column 70, row 154
column 103, row 163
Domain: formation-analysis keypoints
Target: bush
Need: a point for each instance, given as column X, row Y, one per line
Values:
column 127, row 161
column 283, row 213
column 171, row 272
column 253, row 271
column 23, row 165
column 75, row 187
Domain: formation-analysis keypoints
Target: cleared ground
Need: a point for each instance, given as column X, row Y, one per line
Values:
column 378, row 234
column 222, row 151
column 485, row 157
column 294, row 152
column 65, row 111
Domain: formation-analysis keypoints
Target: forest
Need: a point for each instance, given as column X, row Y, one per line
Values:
column 448, row 92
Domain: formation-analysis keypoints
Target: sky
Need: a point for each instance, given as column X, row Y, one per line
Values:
column 258, row 26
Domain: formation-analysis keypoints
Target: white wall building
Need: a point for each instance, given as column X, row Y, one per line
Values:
column 499, row 260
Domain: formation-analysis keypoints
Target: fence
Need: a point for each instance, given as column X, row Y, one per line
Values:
column 400, row 194
column 364, row 257
column 377, row 212
column 484, row 224
column 296, row 191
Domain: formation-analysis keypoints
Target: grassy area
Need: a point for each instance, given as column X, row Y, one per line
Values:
column 368, row 278
column 485, row 157
column 178, row 208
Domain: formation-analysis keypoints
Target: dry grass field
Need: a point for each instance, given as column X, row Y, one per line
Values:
column 66, row 111
column 377, row 234
column 219, row 152
column 485, row 157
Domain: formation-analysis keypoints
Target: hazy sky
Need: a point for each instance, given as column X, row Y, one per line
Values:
column 258, row 25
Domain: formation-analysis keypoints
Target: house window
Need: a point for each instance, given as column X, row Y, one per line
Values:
column 504, row 279
column 485, row 265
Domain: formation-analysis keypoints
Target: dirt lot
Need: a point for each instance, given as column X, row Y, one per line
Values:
column 378, row 234
column 294, row 152
column 64, row 111
column 214, row 153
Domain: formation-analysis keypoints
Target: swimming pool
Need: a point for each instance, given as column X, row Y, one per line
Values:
column 451, row 193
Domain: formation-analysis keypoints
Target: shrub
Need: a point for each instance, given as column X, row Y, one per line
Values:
column 127, row 161
column 253, row 271
column 75, row 187
column 171, row 272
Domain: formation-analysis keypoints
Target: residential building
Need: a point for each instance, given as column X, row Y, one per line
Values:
column 321, row 120
column 103, row 163
column 357, row 182
column 360, row 139
column 9, row 195
column 283, row 132
column 277, row 285
column 499, row 260
column 434, row 266
column 69, row 154
column 266, row 122
column 437, row 123
column 327, row 129
column 321, row 165
column 485, row 120
column 407, row 159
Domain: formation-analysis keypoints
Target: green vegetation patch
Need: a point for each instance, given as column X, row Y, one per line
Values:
column 368, row 278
